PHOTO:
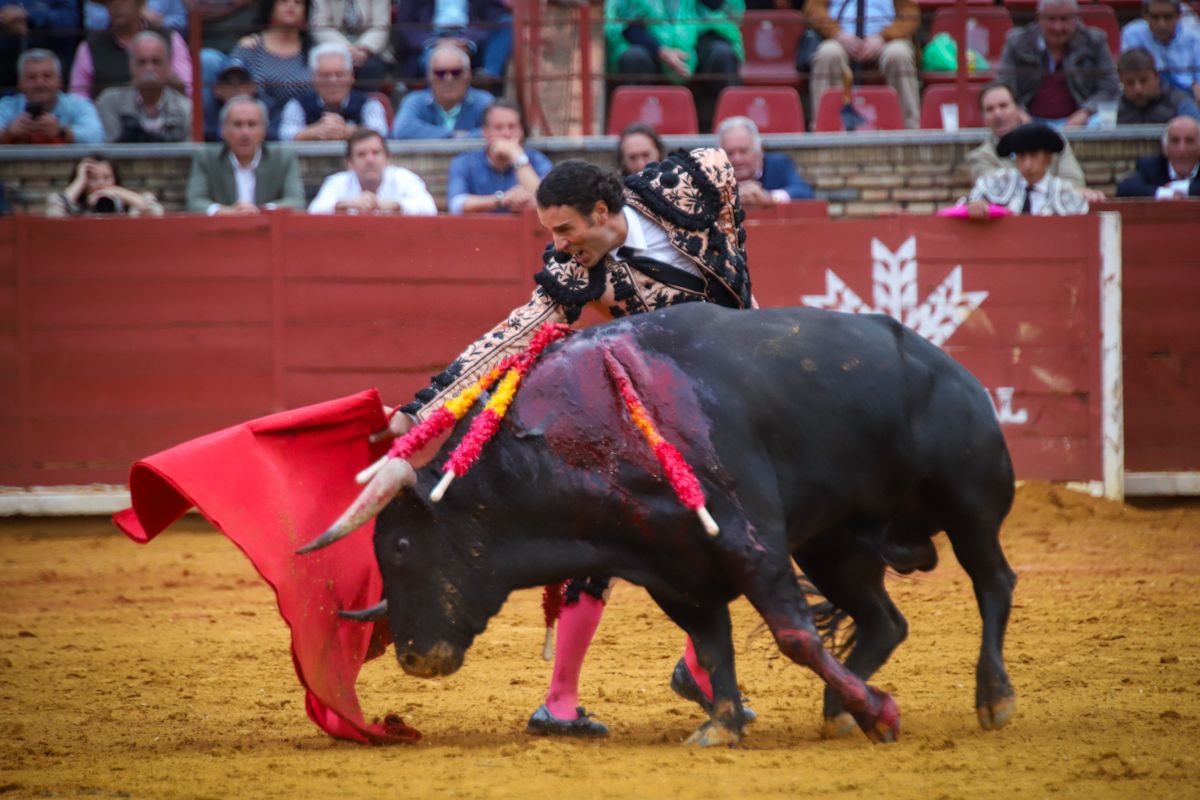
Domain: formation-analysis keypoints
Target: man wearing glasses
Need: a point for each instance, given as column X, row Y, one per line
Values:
column 1059, row 69
column 450, row 108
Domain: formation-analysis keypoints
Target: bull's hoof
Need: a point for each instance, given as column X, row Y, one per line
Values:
column 543, row 723
column 839, row 727
column 995, row 716
column 882, row 726
column 712, row 735
column 684, row 685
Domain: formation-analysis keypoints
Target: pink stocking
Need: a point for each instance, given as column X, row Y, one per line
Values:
column 699, row 674
column 576, row 626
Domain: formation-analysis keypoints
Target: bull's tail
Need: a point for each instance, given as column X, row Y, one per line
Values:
column 836, row 627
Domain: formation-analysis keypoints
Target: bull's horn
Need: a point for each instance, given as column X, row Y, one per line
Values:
column 394, row 476
column 375, row 613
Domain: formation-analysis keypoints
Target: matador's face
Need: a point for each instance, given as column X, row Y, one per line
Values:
column 586, row 238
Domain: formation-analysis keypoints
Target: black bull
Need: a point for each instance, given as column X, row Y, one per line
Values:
column 843, row 442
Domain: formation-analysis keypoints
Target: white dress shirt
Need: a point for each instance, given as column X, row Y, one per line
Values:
column 650, row 239
column 1037, row 196
column 1177, row 186
column 398, row 185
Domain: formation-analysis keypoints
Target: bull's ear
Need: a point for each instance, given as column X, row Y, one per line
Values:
column 392, row 478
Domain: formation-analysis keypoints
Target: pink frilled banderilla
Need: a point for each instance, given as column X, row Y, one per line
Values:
column 679, row 474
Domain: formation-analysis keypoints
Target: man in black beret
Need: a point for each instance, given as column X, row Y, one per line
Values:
column 1031, row 189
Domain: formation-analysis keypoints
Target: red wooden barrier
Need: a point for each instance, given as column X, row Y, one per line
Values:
column 127, row 336
column 1025, row 321
column 1160, row 248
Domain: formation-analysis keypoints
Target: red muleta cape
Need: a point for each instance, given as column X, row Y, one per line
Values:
column 271, row 485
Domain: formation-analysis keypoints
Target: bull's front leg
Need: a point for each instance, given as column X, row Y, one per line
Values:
column 780, row 601
column 977, row 547
column 711, row 633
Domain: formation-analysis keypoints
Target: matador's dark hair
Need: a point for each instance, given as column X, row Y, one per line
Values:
column 579, row 184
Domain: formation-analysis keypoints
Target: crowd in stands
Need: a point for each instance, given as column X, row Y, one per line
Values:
column 317, row 70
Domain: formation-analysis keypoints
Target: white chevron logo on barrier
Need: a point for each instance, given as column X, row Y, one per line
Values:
column 894, row 275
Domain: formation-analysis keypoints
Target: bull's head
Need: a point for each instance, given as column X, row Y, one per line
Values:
column 434, row 595
column 438, row 593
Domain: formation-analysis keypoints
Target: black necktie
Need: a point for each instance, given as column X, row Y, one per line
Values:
column 1027, row 208
column 860, row 21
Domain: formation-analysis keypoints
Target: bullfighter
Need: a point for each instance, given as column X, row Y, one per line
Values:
column 670, row 234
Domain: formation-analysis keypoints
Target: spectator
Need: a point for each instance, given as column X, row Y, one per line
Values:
column 1002, row 113
column 1059, row 69
column 763, row 179
column 1173, row 174
column 244, row 176
column 1145, row 97
column 232, row 81
column 102, row 60
column 874, row 31
column 363, row 26
column 501, row 176
column 170, row 14
column 370, row 185
column 450, row 108
column 696, row 42
column 1175, row 47
column 27, row 24
column 222, row 24
column 149, row 110
column 335, row 110
column 1030, row 189
column 41, row 113
column 483, row 28
column 637, row 146
column 96, row 189
column 277, row 56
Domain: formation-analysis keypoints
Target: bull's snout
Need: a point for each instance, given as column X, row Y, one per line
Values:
column 442, row 659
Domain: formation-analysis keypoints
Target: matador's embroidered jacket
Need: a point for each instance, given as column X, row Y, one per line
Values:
column 693, row 196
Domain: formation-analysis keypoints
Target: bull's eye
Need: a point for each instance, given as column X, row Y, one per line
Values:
column 401, row 546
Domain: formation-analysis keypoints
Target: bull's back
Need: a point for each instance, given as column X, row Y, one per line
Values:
column 848, row 414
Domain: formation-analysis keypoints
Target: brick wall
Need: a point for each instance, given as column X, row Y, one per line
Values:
column 860, row 174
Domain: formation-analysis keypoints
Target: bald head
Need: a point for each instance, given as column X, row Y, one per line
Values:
column 1181, row 144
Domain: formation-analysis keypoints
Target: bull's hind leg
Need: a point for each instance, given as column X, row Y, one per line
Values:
column 852, row 579
column 711, row 634
column 976, row 543
column 780, row 600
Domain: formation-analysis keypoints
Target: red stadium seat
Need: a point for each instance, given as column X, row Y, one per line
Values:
column 770, row 38
column 774, row 109
column 937, row 94
column 1101, row 16
column 926, row 5
column 878, row 105
column 386, row 102
column 666, row 109
column 986, row 28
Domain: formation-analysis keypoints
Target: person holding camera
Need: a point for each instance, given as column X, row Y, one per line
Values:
column 95, row 189
column 149, row 110
column 40, row 113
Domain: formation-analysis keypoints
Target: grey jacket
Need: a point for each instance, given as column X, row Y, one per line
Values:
column 1091, row 73
column 119, row 112
column 277, row 179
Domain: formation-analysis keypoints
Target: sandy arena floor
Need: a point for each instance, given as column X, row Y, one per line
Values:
column 163, row 672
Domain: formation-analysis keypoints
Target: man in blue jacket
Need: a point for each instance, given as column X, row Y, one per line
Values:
column 764, row 179
column 450, row 108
